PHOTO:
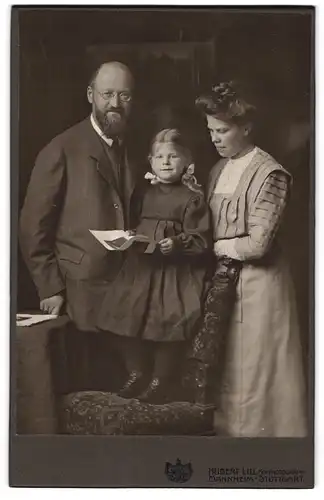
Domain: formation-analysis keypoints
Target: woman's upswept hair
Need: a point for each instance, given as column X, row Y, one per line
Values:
column 228, row 101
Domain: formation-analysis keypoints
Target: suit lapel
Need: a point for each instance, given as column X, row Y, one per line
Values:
column 102, row 161
column 104, row 164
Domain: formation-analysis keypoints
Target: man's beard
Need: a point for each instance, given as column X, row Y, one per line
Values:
column 112, row 122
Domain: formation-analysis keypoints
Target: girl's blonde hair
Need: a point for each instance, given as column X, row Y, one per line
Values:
column 175, row 137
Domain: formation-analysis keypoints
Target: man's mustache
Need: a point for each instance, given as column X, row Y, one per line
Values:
column 119, row 111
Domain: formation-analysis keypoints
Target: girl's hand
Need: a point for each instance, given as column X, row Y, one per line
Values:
column 166, row 246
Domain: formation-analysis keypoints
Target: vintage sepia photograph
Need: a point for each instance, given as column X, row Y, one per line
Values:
column 162, row 172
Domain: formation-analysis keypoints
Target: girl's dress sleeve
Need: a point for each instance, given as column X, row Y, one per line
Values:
column 196, row 235
column 263, row 221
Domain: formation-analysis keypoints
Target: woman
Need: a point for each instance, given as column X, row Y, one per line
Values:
column 262, row 389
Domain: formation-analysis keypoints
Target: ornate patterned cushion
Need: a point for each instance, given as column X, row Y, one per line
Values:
column 93, row 412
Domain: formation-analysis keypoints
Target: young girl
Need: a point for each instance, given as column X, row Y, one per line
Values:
column 157, row 297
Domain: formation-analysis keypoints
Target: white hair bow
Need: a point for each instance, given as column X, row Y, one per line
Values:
column 152, row 177
column 188, row 176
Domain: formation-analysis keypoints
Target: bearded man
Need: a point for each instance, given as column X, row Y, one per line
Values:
column 83, row 179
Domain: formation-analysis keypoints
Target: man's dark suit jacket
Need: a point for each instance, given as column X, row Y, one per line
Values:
column 73, row 189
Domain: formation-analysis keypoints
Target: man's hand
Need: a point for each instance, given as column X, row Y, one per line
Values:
column 52, row 305
column 166, row 246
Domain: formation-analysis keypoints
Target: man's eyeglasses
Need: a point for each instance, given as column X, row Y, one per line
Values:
column 110, row 94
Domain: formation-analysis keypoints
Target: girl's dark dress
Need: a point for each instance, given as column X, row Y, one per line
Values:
column 158, row 297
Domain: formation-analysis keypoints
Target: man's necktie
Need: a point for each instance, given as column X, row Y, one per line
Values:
column 116, row 149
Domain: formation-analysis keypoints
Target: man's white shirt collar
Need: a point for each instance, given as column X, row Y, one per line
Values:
column 107, row 140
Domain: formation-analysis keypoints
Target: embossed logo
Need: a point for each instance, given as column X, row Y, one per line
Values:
column 178, row 472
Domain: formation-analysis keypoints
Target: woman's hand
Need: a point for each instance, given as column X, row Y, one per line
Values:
column 226, row 248
column 131, row 232
column 166, row 246
column 217, row 248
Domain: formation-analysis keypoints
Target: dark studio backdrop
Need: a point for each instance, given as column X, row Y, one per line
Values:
column 174, row 55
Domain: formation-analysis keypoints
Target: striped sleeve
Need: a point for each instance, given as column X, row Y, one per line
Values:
column 264, row 218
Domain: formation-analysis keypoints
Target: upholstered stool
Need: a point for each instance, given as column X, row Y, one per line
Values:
column 93, row 412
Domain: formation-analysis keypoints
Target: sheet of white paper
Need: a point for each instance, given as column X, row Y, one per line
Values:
column 33, row 319
column 111, row 235
column 104, row 236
